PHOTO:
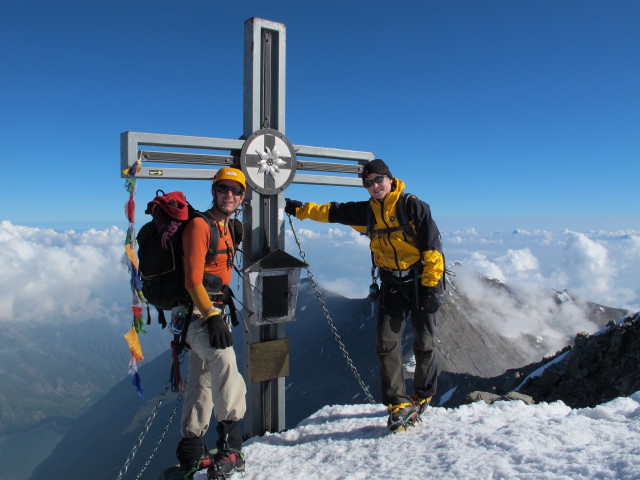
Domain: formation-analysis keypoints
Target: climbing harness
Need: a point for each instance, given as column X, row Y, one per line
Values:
column 336, row 336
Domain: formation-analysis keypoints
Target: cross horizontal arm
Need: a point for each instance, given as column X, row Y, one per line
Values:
column 306, row 151
column 308, row 179
column 130, row 142
column 328, row 167
column 177, row 157
column 173, row 173
column 185, row 141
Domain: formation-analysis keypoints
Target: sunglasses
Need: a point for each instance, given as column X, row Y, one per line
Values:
column 378, row 179
column 222, row 188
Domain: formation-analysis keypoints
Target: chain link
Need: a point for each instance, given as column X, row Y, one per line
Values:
column 333, row 328
column 146, row 428
column 162, row 435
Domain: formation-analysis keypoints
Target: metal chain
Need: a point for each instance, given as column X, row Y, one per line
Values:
column 146, row 428
column 162, row 435
column 329, row 320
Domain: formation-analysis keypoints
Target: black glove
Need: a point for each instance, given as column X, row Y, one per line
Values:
column 430, row 299
column 219, row 334
column 291, row 205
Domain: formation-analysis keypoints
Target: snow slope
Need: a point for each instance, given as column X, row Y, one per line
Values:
column 506, row 440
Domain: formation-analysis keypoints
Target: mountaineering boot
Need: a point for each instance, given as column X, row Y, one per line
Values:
column 226, row 463
column 420, row 403
column 193, row 457
column 401, row 417
column 229, row 458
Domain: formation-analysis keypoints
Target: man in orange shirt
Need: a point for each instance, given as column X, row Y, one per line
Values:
column 214, row 385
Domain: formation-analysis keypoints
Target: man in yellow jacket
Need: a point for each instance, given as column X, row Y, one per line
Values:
column 410, row 263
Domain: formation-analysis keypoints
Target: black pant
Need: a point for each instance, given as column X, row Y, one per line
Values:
column 394, row 305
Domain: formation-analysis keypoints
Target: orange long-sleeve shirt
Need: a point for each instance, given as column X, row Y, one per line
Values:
column 195, row 244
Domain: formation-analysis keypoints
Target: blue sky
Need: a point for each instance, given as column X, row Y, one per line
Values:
column 498, row 113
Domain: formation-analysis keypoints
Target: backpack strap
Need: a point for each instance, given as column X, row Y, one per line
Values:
column 369, row 221
column 403, row 217
column 237, row 234
column 214, row 237
column 228, row 300
column 403, row 220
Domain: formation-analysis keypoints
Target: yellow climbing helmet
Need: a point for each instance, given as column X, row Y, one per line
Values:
column 230, row 173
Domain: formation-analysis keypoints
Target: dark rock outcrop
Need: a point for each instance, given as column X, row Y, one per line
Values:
column 596, row 369
column 492, row 397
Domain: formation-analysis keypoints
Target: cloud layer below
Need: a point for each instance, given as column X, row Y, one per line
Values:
column 597, row 266
column 47, row 275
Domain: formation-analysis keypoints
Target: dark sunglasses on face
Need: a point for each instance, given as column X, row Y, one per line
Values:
column 222, row 188
column 378, row 179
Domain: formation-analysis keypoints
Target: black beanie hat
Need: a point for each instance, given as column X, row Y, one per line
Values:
column 376, row 166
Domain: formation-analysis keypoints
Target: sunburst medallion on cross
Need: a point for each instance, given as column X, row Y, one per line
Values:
column 268, row 160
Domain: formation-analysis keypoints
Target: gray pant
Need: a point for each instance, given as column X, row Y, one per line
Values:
column 214, row 383
column 394, row 306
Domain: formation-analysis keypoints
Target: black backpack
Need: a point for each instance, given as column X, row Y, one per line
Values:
column 160, row 250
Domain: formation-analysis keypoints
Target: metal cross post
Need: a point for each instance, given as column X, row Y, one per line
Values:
column 270, row 163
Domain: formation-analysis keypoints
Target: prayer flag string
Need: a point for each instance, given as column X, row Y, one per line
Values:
column 130, row 261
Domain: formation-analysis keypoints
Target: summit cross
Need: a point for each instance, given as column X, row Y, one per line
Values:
column 270, row 163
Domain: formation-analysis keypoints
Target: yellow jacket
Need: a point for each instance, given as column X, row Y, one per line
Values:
column 392, row 247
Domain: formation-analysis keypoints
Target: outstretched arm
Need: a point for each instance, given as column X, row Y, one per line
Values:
column 349, row 213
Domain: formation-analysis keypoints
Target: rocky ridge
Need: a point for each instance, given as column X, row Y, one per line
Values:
column 595, row 369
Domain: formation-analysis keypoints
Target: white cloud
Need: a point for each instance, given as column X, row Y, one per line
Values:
column 631, row 247
column 308, row 233
column 523, row 308
column 71, row 276
column 517, row 261
column 588, row 263
column 47, row 276
column 347, row 287
column 531, row 263
column 599, row 266
column 337, row 233
column 482, row 264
